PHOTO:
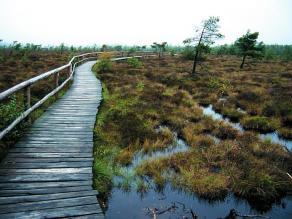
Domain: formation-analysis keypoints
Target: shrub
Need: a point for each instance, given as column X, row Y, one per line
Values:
column 134, row 62
column 9, row 112
column 260, row 123
column 104, row 64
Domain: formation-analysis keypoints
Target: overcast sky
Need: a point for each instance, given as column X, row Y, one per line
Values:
column 139, row 22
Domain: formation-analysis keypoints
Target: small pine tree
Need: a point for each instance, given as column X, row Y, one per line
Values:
column 248, row 46
column 205, row 36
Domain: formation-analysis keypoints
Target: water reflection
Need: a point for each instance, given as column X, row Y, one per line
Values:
column 125, row 205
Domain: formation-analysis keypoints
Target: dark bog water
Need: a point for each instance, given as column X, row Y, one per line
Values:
column 170, row 203
column 273, row 136
column 128, row 205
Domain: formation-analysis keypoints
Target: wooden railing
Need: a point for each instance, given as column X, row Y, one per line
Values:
column 70, row 67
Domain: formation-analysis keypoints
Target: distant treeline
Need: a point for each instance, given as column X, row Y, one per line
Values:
column 283, row 52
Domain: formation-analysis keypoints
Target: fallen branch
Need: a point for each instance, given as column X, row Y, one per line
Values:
column 194, row 216
column 168, row 209
column 153, row 211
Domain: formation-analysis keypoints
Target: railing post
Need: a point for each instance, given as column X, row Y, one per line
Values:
column 56, row 83
column 28, row 97
column 70, row 70
column 28, row 100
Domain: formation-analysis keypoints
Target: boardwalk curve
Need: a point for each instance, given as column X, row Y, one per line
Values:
column 48, row 173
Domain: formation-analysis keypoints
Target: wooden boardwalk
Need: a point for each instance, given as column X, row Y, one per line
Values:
column 48, row 174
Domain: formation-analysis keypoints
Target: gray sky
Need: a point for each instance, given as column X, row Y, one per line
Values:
column 139, row 22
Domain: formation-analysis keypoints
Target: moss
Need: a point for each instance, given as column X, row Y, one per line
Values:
column 260, row 123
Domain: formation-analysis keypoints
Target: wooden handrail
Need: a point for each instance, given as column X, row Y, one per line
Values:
column 28, row 83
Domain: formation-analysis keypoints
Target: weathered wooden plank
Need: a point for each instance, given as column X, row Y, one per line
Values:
column 45, row 177
column 41, row 191
column 45, row 165
column 54, row 144
column 57, row 212
column 49, row 155
column 44, row 197
column 52, row 149
column 49, row 204
column 44, row 170
column 46, row 160
column 38, row 185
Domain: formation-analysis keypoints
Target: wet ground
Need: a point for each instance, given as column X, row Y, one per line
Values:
column 173, row 203
column 272, row 136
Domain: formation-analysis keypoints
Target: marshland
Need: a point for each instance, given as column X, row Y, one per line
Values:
column 192, row 123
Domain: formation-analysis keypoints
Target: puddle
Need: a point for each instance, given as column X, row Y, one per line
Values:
column 273, row 136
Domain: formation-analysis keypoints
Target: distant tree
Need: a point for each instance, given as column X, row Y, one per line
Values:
column 104, row 48
column 62, row 48
column 160, row 48
column 248, row 46
column 205, row 36
column 118, row 48
column 132, row 50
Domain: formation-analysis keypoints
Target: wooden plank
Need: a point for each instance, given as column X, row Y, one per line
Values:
column 49, row 204
column 45, row 165
column 22, row 171
column 46, row 160
column 57, row 212
column 54, row 144
column 52, row 149
column 44, row 197
column 38, row 185
column 45, row 177
column 41, row 191
column 49, row 155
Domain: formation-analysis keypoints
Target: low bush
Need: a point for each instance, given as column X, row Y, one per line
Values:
column 188, row 53
column 260, row 123
column 134, row 62
column 104, row 64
